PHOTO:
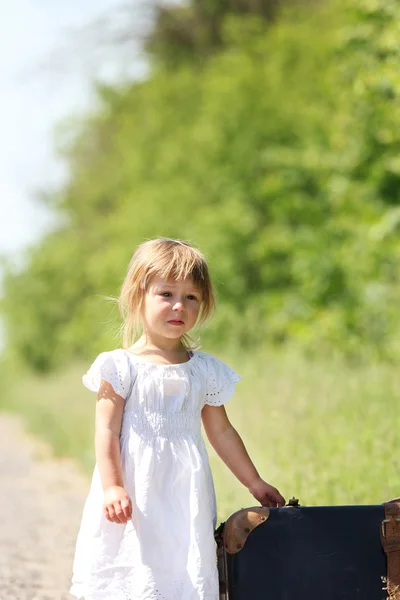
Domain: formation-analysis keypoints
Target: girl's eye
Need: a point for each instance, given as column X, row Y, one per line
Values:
column 168, row 295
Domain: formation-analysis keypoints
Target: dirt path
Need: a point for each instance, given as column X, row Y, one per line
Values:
column 41, row 502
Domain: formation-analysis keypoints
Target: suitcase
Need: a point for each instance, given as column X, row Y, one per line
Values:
column 310, row 553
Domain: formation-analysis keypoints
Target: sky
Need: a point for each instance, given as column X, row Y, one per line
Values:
column 48, row 59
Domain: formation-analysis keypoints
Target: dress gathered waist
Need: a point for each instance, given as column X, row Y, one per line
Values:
column 149, row 425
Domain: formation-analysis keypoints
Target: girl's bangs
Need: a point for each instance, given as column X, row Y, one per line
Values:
column 178, row 268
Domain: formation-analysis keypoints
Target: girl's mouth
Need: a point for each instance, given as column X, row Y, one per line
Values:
column 176, row 322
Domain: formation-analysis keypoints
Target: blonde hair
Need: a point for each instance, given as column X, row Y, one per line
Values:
column 169, row 259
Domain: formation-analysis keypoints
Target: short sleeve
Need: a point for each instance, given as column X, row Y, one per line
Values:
column 115, row 367
column 221, row 381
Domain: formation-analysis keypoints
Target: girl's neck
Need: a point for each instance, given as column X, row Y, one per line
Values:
column 159, row 346
column 160, row 354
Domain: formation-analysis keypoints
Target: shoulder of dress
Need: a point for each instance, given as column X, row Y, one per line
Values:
column 116, row 354
column 123, row 352
column 203, row 358
column 207, row 357
column 207, row 362
column 116, row 351
column 215, row 365
column 123, row 357
column 109, row 354
column 203, row 355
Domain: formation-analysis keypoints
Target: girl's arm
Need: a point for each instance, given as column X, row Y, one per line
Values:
column 229, row 446
column 109, row 410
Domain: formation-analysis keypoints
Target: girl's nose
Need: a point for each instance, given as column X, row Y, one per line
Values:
column 178, row 305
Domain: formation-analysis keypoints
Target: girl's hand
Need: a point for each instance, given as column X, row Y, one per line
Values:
column 266, row 494
column 117, row 504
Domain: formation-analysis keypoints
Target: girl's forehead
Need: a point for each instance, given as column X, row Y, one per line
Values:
column 156, row 280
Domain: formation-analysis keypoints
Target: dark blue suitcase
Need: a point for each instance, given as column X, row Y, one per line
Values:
column 307, row 553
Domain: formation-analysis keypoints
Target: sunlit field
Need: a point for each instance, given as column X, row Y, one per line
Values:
column 324, row 432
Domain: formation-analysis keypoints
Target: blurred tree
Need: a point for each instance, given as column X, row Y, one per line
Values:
column 279, row 158
column 195, row 30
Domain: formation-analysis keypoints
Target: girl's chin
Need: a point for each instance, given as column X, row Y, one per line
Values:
column 172, row 332
column 175, row 334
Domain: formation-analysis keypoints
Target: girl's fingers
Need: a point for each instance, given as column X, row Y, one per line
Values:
column 127, row 508
column 111, row 513
column 119, row 513
column 280, row 500
column 116, row 513
column 107, row 514
column 123, row 510
column 272, row 502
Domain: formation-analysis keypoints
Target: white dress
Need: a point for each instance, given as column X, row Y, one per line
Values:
column 167, row 550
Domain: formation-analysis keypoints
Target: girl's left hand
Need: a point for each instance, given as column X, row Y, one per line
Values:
column 266, row 494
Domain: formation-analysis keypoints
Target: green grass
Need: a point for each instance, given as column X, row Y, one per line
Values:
column 319, row 430
column 57, row 409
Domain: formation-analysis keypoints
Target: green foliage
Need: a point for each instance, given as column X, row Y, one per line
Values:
column 280, row 159
column 194, row 31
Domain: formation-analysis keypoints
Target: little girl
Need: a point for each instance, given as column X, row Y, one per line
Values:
column 147, row 530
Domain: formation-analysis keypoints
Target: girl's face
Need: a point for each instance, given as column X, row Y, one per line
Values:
column 170, row 307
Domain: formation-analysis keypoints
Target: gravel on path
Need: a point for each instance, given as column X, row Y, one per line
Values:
column 41, row 503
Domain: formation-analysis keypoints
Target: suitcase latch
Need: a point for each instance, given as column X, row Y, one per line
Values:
column 293, row 502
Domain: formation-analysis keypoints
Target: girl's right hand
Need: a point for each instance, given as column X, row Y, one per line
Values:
column 117, row 504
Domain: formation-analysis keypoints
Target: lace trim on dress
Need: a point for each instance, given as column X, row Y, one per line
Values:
column 114, row 367
column 221, row 381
